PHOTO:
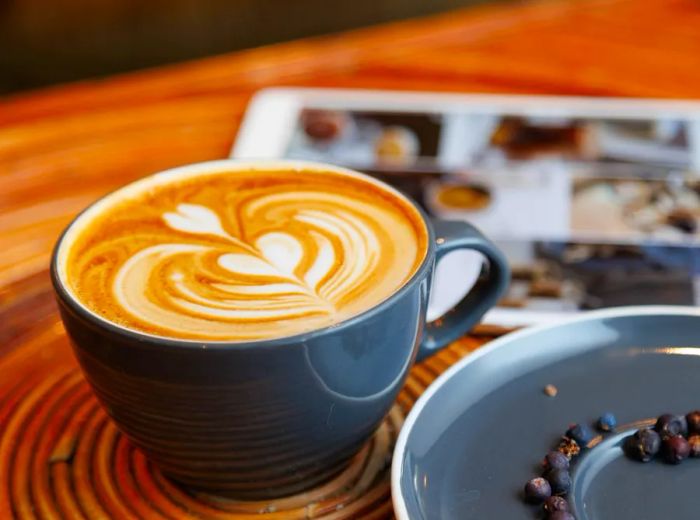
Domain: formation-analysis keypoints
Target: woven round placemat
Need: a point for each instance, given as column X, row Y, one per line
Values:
column 62, row 457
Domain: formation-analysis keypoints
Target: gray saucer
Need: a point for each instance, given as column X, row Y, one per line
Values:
column 480, row 431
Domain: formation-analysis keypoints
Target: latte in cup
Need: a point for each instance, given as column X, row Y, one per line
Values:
column 251, row 253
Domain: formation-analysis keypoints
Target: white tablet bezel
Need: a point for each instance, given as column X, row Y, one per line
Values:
column 272, row 114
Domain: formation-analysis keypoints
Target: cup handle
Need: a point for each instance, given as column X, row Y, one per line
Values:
column 450, row 236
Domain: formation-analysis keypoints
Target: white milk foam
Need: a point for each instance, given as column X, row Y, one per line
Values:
column 294, row 259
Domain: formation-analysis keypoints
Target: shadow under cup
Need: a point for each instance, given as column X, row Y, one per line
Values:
column 270, row 418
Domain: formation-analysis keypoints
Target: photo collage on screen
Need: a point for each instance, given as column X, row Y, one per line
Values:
column 591, row 212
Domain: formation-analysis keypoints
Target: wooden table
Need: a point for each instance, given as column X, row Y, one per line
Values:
column 63, row 147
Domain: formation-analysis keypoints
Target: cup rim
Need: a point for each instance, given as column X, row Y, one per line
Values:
column 66, row 297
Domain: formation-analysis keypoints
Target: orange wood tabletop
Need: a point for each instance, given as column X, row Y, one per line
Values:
column 63, row 147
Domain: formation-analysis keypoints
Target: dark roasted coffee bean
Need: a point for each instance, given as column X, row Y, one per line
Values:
column 555, row 460
column 675, row 449
column 694, row 443
column 581, row 433
column 537, row 490
column 643, row 445
column 561, row 515
column 555, row 503
column 693, row 421
column 668, row 425
column 559, row 481
column 607, row 422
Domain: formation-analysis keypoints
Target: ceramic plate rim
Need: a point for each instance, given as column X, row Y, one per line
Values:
column 399, row 502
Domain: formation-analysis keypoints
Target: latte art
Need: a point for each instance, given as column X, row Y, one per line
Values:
column 245, row 255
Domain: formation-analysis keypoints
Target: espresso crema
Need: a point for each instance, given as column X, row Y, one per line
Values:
column 242, row 254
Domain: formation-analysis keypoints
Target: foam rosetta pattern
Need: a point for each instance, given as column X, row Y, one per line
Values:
column 237, row 257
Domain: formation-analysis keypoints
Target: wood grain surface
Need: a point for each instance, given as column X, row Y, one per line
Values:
column 63, row 147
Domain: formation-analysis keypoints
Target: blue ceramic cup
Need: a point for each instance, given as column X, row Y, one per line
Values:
column 273, row 417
